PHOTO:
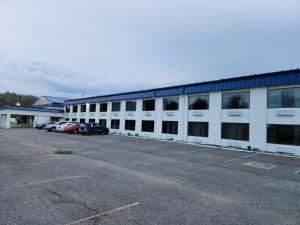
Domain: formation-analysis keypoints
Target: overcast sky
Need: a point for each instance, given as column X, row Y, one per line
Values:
column 74, row 48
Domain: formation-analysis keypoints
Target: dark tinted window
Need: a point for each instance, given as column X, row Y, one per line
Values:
column 170, row 127
column 82, row 120
column 283, row 134
column 83, row 108
column 131, row 106
column 199, row 129
column 129, row 124
column 92, row 121
column 74, row 119
column 115, row 124
column 92, row 107
column 102, row 122
column 75, row 108
column 236, row 100
column 103, row 107
column 235, row 131
column 171, row 103
column 67, row 119
column 116, row 106
column 67, row 109
column 198, row 102
column 148, row 126
column 149, row 105
column 284, row 98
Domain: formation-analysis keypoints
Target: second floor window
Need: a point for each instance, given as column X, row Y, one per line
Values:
column 198, row 102
column 75, row 108
column 131, row 106
column 149, row 105
column 116, row 106
column 83, row 108
column 284, row 98
column 67, row 109
column 103, row 107
column 171, row 103
column 236, row 100
column 92, row 107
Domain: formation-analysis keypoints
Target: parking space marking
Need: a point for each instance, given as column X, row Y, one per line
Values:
column 229, row 160
column 52, row 180
column 25, row 164
column 195, row 151
column 297, row 172
column 265, row 166
column 104, row 213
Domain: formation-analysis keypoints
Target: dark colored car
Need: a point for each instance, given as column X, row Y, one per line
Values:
column 93, row 128
column 41, row 126
column 72, row 129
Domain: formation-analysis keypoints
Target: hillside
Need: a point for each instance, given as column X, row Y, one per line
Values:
column 10, row 98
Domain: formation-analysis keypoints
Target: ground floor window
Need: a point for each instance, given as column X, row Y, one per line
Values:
column 74, row 119
column 170, row 127
column 235, row 131
column 198, row 129
column 82, row 120
column 67, row 119
column 115, row 124
column 92, row 120
column 129, row 124
column 102, row 122
column 283, row 134
column 148, row 126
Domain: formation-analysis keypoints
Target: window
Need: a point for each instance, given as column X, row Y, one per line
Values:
column 171, row 103
column 115, row 124
column 75, row 108
column 148, row 126
column 236, row 100
column 92, row 107
column 83, row 108
column 102, row 122
column 82, row 120
column 198, row 129
column 198, row 102
column 284, row 98
column 170, row 127
column 67, row 109
column 149, row 105
column 103, row 107
column 67, row 119
column 92, row 121
column 129, row 124
column 235, row 131
column 116, row 106
column 74, row 120
column 283, row 134
column 131, row 106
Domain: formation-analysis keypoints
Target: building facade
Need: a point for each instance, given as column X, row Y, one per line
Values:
column 252, row 112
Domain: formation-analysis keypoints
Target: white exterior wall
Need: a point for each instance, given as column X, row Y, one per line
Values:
column 258, row 116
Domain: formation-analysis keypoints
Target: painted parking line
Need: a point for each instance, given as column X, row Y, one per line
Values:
column 104, row 213
column 53, row 180
column 297, row 172
column 265, row 166
column 25, row 164
column 243, row 157
column 188, row 152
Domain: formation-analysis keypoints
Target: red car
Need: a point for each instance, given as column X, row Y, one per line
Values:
column 72, row 129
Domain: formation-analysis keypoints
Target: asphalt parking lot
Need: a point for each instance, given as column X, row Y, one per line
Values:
column 128, row 180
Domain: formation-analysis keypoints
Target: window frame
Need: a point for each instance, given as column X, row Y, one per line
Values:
column 111, row 123
column 196, row 95
column 112, row 108
column 174, row 97
column 206, row 135
column 129, row 104
column 81, row 108
column 248, row 133
column 94, row 104
column 232, row 92
column 101, row 104
column 126, row 125
column 166, row 121
column 281, row 88
column 68, row 109
column 295, row 144
column 151, row 129
column 145, row 100
column 76, row 108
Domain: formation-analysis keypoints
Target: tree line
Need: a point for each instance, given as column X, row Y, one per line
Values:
column 11, row 98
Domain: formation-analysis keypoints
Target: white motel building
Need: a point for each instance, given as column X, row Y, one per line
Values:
column 252, row 112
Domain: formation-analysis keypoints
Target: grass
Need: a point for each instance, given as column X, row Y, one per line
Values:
column 63, row 151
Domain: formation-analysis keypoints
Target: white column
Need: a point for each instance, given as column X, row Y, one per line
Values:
column 181, row 120
column 97, row 113
column 138, row 116
column 215, row 112
column 87, row 112
column 258, row 118
column 108, row 117
column 7, row 122
column 122, row 116
column 158, row 117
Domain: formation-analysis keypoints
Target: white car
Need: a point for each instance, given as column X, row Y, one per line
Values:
column 61, row 127
column 52, row 127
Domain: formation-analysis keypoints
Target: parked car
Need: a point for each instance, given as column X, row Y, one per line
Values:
column 93, row 128
column 61, row 127
column 72, row 129
column 41, row 126
column 52, row 127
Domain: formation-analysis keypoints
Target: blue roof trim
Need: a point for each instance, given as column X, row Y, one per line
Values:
column 253, row 81
column 55, row 99
column 31, row 108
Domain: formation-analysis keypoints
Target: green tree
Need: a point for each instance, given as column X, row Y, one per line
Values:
column 10, row 98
